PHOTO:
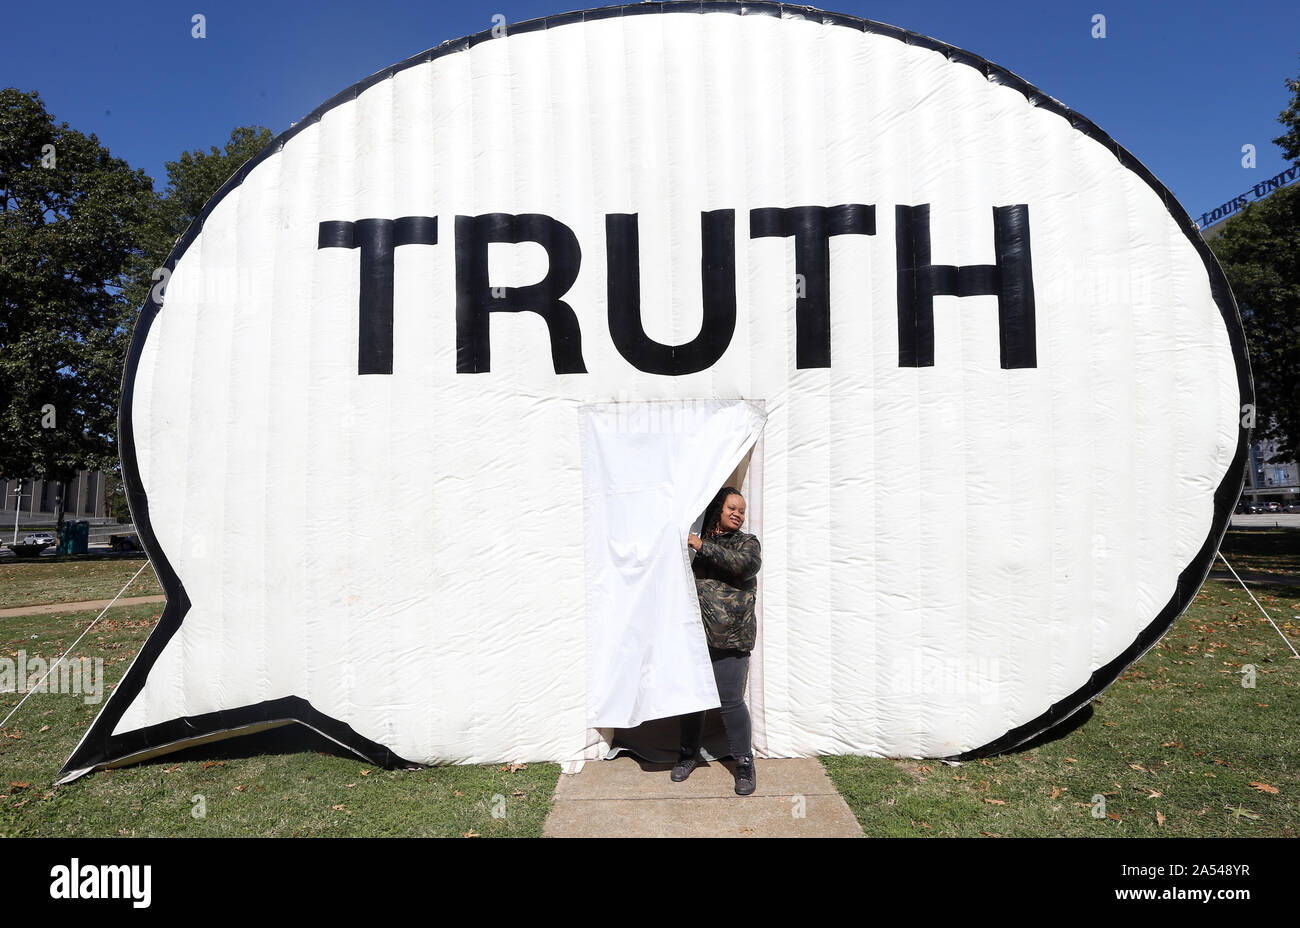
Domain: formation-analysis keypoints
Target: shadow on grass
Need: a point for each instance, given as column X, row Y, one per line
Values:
column 1056, row 732
column 1279, row 547
column 13, row 561
column 287, row 739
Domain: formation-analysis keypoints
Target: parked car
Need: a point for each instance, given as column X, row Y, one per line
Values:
column 1291, row 507
column 1272, row 506
column 39, row 538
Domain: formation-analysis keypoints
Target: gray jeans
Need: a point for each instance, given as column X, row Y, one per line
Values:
column 730, row 668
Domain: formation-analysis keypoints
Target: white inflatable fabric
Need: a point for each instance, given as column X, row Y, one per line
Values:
column 650, row 470
column 444, row 375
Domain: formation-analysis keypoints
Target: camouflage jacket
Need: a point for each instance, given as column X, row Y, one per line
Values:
column 725, row 569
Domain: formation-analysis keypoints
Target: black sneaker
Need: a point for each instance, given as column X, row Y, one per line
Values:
column 746, row 781
column 685, row 764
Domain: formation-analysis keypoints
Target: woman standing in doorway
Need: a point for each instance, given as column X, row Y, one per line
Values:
column 726, row 566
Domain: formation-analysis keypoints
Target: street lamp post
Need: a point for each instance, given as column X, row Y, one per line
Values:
column 18, row 507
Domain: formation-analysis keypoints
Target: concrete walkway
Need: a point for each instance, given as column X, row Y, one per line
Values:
column 83, row 606
column 629, row 798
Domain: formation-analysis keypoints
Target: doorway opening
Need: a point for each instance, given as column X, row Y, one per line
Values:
column 646, row 486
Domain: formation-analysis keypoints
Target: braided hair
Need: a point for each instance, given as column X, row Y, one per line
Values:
column 713, row 513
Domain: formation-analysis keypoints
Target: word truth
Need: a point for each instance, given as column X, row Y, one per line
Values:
column 1009, row 278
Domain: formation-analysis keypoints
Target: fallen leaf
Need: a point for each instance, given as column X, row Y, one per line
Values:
column 995, row 802
column 1264, row 787
column 241, row 788
column 1056, row 792
column 1071, row 760
column 1114, row 816
column 47, row 728
column 1160, row 819
column 173, row 769
column 471, row 834
column 365, row 773
column 459, row 793
column 339, row 808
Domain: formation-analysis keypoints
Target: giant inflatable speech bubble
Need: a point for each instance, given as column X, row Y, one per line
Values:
column 442, row 378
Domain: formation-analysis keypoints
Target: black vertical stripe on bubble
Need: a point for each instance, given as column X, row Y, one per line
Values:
column 475, row 300
column 375, row 327
column 1010, row 280
column 623, row 287
column 375, row 296
column 812, row 228
column 1016, row 309
column 915, row 305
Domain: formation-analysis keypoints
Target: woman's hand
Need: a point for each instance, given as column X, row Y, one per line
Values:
column 694, row 541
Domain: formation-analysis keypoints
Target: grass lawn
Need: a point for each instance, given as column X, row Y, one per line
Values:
column 1267, row 550
column 1176, row 747
column 247, row 787
column 70, row 578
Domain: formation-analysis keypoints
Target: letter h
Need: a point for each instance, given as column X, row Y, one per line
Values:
column 1011, row 280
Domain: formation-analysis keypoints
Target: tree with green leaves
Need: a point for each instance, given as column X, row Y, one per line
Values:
column 71, row 220
column 192, row 180
column 1289, row 141
column 81, row 238
column 1260, row 254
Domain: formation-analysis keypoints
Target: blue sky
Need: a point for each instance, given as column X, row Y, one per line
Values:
column 1183, row 86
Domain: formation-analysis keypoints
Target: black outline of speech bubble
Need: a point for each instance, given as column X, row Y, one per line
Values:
column 99, row 747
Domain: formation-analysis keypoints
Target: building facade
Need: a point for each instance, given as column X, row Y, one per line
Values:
column 1265, row 481
column 40, row 499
